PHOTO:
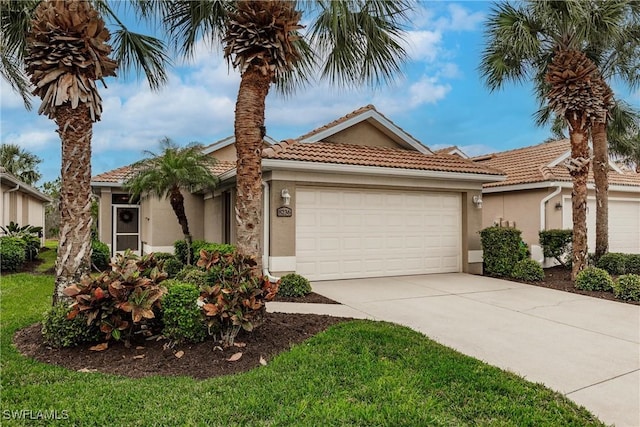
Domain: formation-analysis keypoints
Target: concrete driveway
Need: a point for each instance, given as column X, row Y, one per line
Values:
column 583, row 347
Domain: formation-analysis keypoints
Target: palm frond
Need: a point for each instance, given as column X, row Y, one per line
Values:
column 360, row 41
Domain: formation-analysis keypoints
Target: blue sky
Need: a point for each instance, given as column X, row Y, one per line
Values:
column 441, row 101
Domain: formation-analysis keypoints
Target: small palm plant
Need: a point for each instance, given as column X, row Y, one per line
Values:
column 167, row 174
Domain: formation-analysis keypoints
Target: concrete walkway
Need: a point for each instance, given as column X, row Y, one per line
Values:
column 583, row 347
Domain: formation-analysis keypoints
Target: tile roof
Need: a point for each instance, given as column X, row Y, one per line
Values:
column 531, row 164
column 119, row 175
column 363, row 155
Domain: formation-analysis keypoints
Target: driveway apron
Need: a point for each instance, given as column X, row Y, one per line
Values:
column 584, row 347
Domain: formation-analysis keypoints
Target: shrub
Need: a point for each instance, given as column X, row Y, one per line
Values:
column 100, row 255
column 612, row 262
column 528, row 270
column 163, row 256
column 59, row 331
column 183, row 318
column 501, row 250
column 556, row 244
column 196, row 277
column 594, row 279
column 632, row 264
column 180, row 250
column 29, row 234
column 12, row 253
column 294, row 285
column 172, row 266
column 122, row 300
column 236, row 299
column 627, row 287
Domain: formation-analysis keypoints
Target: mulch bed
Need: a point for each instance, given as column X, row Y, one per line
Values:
column 204, row 360
column 312, row 298
column 559, row 278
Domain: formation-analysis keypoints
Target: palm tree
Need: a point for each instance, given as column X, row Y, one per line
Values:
column 549, row 42
column 350, row 42
column 21, row 163
column 167, row 174
column 63, row 45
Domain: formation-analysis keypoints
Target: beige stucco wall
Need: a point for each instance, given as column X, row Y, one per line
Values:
column 519, row 209
column 213, row 219
column 363, row 133
column 227, row 154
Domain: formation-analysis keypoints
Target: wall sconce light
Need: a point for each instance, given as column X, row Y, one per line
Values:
column 558, row 206
column 286, row 197
column 477, row 201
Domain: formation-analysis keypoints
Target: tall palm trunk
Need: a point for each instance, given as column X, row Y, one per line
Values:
column 579, row 169
column 600, row 175
column 74, row 248
column 249, row 134
column 177, row 204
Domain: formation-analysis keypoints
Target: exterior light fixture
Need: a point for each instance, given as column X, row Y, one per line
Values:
column 286, row 197
column 477, row 201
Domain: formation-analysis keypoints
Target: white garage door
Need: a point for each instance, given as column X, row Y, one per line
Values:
column 350, row 233
column 624, row 224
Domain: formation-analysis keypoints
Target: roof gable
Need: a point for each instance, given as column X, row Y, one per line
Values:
column 544, row 163
column 10, row 179
column 371, row 116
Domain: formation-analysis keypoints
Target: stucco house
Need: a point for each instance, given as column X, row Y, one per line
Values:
column 358, row 197
column 536, row 195
column 21, row 203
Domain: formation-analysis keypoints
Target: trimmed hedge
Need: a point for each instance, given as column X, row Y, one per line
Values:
column 528, row 270
column 58, row 331
column 294, row 285
column 627, row 287
column 183, row 318
column 12, row 253
column 100, row 255
column 172, row 266
column 613, row 263
column 594, row 279
column 556, row 244
column 501, row 248
column 180, row 248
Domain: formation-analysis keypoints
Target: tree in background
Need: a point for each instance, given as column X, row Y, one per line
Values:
column 349, row 42
column 167, row 174
column 63, row 46
column 21, row 163
column 561, row 47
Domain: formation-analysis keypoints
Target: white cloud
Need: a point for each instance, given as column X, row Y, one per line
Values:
column 423, row 45
column 427, row 91
column 460, row 19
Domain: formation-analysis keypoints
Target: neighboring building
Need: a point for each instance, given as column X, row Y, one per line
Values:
column 358, row 197
column 21, row 203
column 537, row 196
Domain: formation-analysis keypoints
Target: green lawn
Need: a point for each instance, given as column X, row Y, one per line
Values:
column 357, row 373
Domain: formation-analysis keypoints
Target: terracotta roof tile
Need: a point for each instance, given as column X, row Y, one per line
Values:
column 119, row 175
column 531, row 164
column 363, row 155
column 446, row 150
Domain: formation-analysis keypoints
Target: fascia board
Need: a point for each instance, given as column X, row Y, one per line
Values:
column 26, row 188
column 375, row 170
column 563, row 184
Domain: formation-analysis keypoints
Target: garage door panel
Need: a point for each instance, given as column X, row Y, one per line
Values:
column 624, row 224
column 367, row 233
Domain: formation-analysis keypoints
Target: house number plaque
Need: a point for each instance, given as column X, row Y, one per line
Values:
column 284, row 211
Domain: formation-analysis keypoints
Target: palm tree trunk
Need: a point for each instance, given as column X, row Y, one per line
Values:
column 579, row 170
column 600, row 175
column 177, row 203
column 249, row 134
column 74, row 248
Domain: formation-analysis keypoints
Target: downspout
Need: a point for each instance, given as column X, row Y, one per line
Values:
column 543, row 212
column 265, row 238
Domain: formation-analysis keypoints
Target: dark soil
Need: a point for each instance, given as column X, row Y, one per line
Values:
column 560, row 278
column 204, row 360
column 310, row 298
